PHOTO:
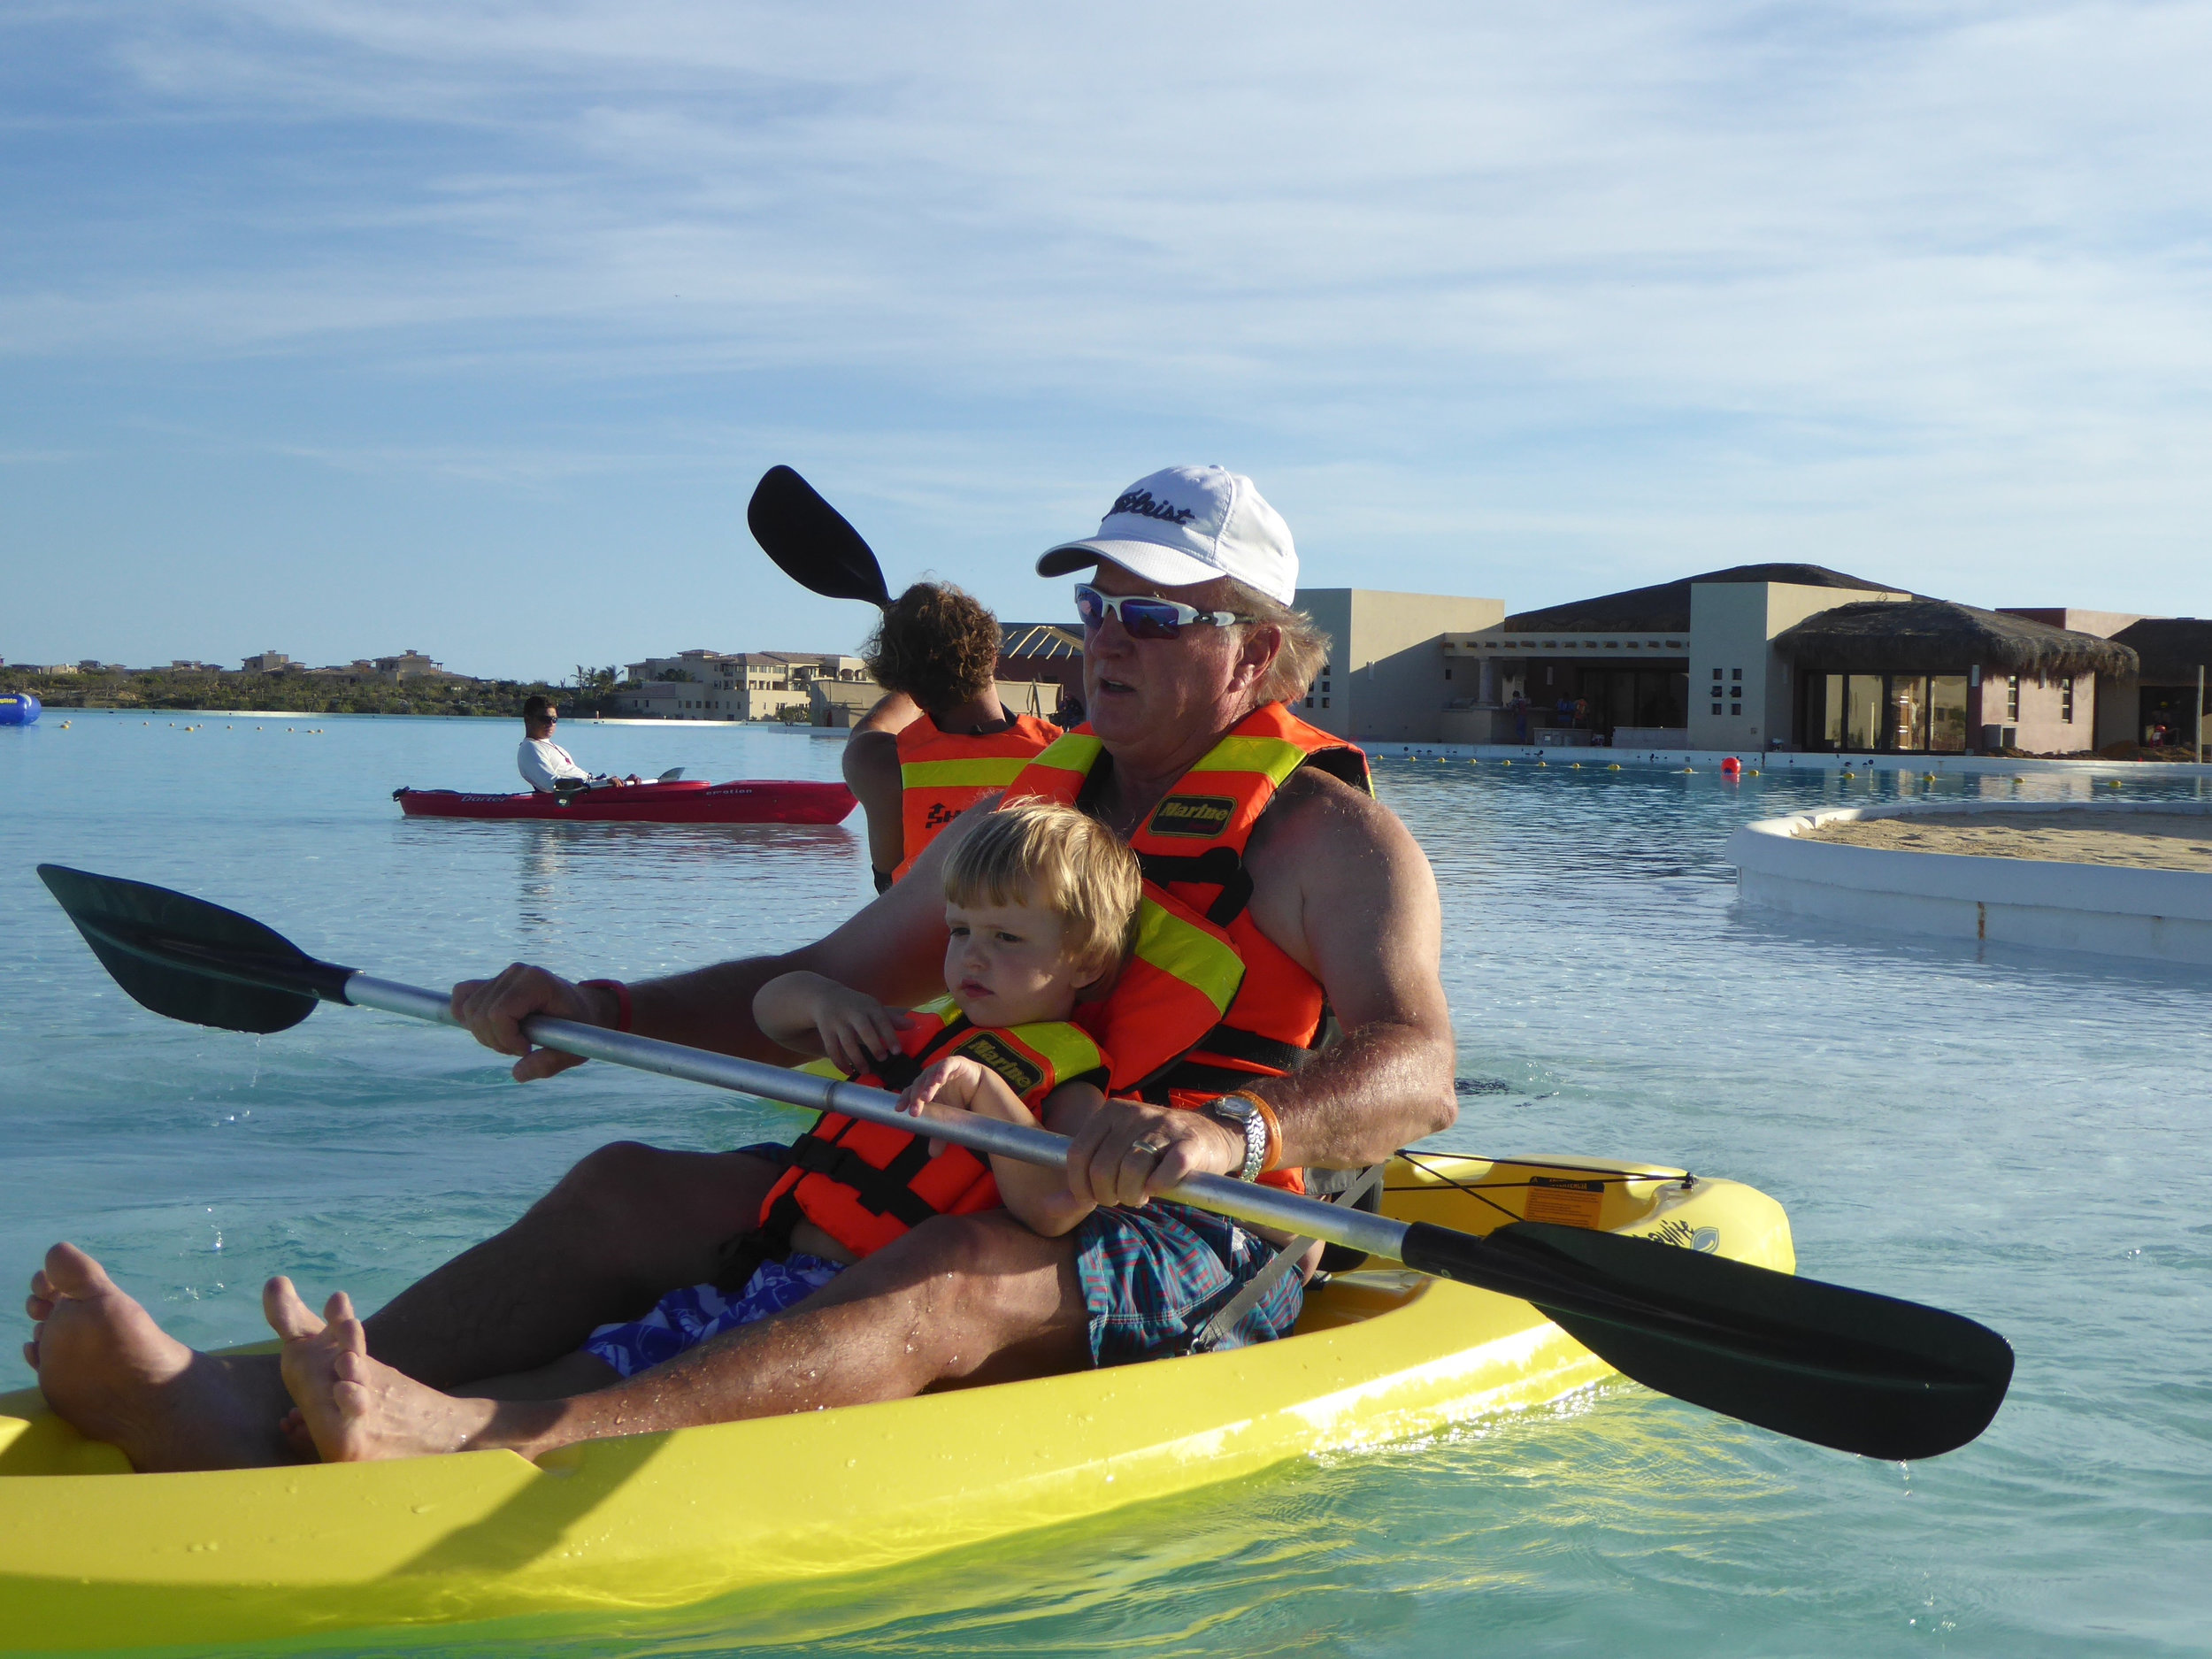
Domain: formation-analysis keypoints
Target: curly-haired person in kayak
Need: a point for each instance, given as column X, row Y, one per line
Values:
column 1240, row 814
column 939, row 741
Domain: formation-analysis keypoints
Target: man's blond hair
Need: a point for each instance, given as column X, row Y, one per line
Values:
column 1305, row 647
column 1043, row 853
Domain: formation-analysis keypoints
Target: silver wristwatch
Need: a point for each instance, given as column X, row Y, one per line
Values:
column 1240, row 1114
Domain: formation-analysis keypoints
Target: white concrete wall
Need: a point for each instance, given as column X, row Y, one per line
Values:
column 2161, row 915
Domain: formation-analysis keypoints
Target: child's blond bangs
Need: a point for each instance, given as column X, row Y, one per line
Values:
column 1051, row 856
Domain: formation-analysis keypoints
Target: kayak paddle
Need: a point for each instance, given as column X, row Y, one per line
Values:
column 809, row 540
column 1838, row 1367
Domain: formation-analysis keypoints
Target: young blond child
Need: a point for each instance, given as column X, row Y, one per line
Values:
column 1041, row 903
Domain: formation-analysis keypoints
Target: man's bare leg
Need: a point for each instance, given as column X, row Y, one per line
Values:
column 965, row 1299
column 626, row 1225
column 114, row 1375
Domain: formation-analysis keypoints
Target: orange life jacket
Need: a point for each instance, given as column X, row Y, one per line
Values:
column 942, row 774
column 864, row 1183
column 1191, row 846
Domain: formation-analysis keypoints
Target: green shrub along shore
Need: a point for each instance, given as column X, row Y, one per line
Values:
column 188, row 689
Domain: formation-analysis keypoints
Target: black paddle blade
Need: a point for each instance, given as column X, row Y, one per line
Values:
column 1838, row 1367
column 190, row 960
column 810, row 542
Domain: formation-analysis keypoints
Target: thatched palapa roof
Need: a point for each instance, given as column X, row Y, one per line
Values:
column 1665, row 608
column 1934, row 636
column 2173, row 647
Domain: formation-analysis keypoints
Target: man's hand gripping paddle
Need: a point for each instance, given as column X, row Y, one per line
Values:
column 1838, row 1367
column 809, row 540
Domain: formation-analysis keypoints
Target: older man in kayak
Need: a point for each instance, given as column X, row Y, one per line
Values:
column 1190, row 651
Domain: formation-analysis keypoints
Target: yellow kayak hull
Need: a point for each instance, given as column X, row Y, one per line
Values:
column 93, row 1556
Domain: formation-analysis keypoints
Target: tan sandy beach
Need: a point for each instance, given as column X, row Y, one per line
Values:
column 2143, row 841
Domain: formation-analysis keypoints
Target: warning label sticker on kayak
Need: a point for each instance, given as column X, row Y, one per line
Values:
column 1569, row 1203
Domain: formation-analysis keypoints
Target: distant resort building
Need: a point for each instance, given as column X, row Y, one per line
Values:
column 826, row 688
column 703, row 685
column 1796, row 657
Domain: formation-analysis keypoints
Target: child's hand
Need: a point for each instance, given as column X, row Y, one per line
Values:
column 960, row 1085
column 855, row 1030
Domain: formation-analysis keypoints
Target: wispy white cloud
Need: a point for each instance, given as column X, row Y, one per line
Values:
column 1522, row 301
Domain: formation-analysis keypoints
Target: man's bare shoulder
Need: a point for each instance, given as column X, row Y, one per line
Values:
column 1316, row 814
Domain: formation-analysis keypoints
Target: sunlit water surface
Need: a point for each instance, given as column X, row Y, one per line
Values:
column 2018, row 1137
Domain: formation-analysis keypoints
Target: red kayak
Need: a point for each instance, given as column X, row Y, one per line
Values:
column 774, row 802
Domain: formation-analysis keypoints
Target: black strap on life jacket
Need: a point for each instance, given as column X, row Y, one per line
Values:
column 1220, row 867
column 1191, row 1070
column 1231, row 1043
column 887, row 1191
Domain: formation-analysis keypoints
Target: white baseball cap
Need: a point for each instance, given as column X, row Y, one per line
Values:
column 1187, row 525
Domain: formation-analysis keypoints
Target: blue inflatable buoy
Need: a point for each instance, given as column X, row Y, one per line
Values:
column 18, row 707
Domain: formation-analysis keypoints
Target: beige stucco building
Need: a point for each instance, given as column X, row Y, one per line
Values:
column 703, row 685
column 1791, row 656
column 1387, row 678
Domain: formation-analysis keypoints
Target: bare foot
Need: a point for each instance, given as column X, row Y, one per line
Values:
column 112, row 1374
column 356, row 1408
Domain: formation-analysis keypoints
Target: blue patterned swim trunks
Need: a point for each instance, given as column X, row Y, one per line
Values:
column 1153, row 1277
column 685, row 1318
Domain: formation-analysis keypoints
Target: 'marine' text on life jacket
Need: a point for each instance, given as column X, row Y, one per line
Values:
column 1206, row 815
column 1020, row 1075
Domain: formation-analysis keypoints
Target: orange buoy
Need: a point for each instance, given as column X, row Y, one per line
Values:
column 1731, row 767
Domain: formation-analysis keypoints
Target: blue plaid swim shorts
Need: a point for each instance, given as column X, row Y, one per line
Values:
column 1152, row 1278
column 683, row 1319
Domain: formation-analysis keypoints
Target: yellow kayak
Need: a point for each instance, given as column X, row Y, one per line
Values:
column 92, row 1555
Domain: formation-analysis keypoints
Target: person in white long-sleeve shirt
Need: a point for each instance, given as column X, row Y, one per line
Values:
column 545, row 766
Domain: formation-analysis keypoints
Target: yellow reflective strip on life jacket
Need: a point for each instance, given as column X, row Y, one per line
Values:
column 1272, row 755
column 1074, row 752
column 1069, row 1047
column 1189, row 954
column 823, row 1068
column 982, row 772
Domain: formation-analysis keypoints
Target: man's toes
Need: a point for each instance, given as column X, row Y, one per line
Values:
column 42, row 1285
column 287, row 1315
column 352, row 1400
column 30, row 1354
column 74, row 1274
column 40, row 1307
column 350, row 1366
column 293, row 1428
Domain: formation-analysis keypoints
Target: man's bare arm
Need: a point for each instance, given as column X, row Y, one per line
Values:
column 892, row 950
column 1342, row 885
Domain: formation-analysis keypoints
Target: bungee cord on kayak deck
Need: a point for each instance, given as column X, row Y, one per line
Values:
column 1596, row 1176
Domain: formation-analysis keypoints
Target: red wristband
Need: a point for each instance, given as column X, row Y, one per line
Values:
column 621, row 999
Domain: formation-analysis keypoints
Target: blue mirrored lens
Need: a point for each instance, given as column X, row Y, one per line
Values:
column 1141, row 618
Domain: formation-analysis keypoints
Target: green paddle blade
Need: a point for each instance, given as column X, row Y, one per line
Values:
column 809, row 540
column 1838, row 1367
column 188, row 959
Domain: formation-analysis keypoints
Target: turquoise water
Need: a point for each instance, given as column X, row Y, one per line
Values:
column 2012, row 1136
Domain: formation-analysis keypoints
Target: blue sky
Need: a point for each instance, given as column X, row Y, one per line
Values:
column 338, row 328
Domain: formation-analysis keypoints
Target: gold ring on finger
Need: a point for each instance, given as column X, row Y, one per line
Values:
column 1157, row 1148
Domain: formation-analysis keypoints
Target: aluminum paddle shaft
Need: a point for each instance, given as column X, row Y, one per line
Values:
column 1263, row 1206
